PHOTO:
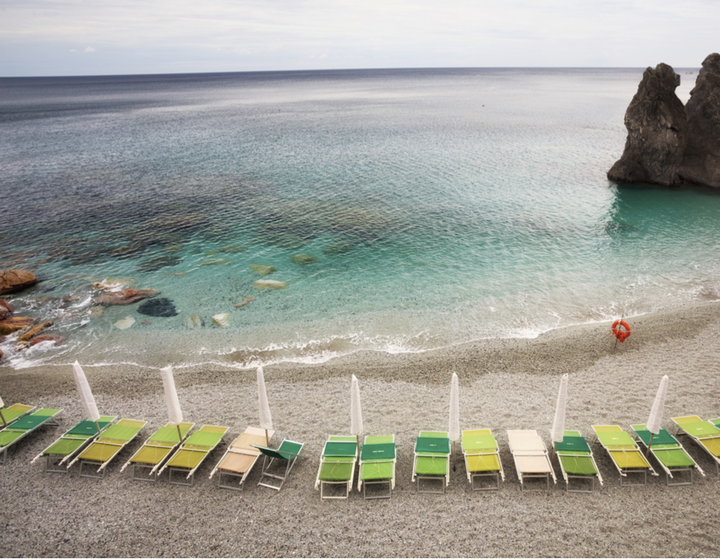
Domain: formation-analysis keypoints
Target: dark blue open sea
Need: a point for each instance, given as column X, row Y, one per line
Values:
column 424, row 208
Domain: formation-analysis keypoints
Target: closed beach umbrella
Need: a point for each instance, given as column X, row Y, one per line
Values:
column 86, row 395
column 265, row 417
column 356, row 421
column 2, row 405
column 454, row 426
column 656, row 413
column 558, row 427
column 175, row 416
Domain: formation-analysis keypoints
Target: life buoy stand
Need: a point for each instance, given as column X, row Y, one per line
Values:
column 618, row 332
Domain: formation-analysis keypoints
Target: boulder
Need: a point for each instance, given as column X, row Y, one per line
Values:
column 701, row 161
column 194, row 321
column 15, row 280
column 657, row 128
column 246, row 301
column 125, row 323
column 33, row 331
column 14, row 323
column 269, row 284
column 46, row 338
column 161, row 306
column 262, row 269
column 6, row 309
column 124, row 297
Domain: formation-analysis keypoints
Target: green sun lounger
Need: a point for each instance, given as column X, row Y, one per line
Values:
column 668, row 452
column 13, row 413
column 432, row 460
column 482, row 459
column 577, row 461
column 377, row 465
column 706, row 434
column 531, row 458
column 193, row 452
column 23, row 426
column 624, row 453
column 277, row 463
column 240, row 457
column 155, row 450
column 337, row 466
column 107, row 446
column 72, row 442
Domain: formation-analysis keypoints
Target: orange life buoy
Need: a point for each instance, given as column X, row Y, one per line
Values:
column 621, row 335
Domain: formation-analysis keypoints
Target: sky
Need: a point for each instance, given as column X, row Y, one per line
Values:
column 101, row 37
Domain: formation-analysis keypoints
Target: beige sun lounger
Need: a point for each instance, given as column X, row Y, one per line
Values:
column 531, row 458
column 240, row 457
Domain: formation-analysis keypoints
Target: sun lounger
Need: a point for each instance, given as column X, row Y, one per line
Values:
column 337, row 465
column 668, row 452
column 240, row 457
column 156, row 449
column 107, row 446
column 432, row 460
column 191, row 454
column 577, row 461
column 72, row 442
column 706, row 434
column 624, row 452
column 13, row 413
column 23, row 426
column 482, row 459
column 531, row 458
column 377, row 465
column 277, row 463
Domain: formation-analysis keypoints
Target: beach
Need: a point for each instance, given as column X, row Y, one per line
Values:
column 504, row 384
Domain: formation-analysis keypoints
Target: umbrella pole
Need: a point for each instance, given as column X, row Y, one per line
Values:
column 179, row 433
column 267, row 439
column 453, row 457
column 98, row 426
column 649, row 444
column 3, row 419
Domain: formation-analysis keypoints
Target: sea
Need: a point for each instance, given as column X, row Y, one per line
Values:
column 397, row 210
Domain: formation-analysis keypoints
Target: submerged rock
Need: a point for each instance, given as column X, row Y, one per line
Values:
column 115, row 284
column 262, row 270
column 33, row 331
column 46, row 338
column 222, row 320
column 125, row 323
column 158, row 307
column 246, row 301
column 96, row 312
column 158, row 262
column 124, row 297
column 304, row 258
column 269, row 284
column 195, row 321
column 214, row 262
column 15, row 280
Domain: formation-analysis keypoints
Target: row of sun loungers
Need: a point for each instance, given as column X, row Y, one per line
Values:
column 94, row 445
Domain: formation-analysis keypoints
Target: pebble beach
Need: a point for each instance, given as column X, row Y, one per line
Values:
column 504, row 384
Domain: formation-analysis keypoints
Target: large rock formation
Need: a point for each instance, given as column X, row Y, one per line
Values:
column 701, row 164
column 15, row 280
column 667, row 143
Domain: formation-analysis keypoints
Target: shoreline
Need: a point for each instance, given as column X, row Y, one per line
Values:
column 504, row 384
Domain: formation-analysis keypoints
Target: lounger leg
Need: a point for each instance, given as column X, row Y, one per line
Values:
column 51, row 468
column 151, row 478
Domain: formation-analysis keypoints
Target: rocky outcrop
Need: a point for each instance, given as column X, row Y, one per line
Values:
column 6, row 309
column 668, row 143
column 57, row 340
column 124, row 297
column 27, row 336
column 15, row 280
column 701, row 164
column 15, row 323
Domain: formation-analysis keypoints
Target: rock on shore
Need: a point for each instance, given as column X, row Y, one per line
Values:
column 15, row 280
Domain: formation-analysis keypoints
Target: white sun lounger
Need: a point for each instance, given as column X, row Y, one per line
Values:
column 531, row 458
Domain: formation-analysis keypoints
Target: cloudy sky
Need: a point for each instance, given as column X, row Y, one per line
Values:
column 85, row 37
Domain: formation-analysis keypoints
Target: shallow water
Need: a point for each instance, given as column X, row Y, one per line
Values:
column 438, row 206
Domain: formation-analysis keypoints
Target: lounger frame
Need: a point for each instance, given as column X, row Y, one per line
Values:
column 633, row 448
column 699, row 439
column 287, row 452
column 50, row 420
column 527, row 444
column 242, row 445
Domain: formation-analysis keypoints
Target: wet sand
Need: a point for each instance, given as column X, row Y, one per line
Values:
column 504, row 384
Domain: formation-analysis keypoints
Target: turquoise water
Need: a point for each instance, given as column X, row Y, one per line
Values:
column 439, row 206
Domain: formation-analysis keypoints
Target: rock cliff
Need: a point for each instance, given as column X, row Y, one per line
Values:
column 668, row 143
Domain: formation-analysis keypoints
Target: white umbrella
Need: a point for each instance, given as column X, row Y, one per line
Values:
column 265, row 417
column 454, row 427
column 175, row 415
column 558, row 427
column 86, row 395
column 656, row 413
column 356, row 421
column 2, row 405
